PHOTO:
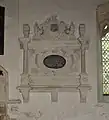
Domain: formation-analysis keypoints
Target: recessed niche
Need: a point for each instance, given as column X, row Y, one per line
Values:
column 54, row 61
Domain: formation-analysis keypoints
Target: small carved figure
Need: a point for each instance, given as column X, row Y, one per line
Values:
column 36, row 28
column 72, row 31
column 72, row 28
column 38, row 31
column 62, row 26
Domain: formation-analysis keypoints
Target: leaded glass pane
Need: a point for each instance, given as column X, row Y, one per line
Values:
column 105, row 67
column 105, row 56
column 105, row 89
column 105, row 45
column 105, row 63
column 105, row 78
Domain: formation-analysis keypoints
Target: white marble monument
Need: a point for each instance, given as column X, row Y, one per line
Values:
column 54, row 59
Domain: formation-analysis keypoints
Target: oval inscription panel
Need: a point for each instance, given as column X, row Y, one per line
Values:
column 54, row 61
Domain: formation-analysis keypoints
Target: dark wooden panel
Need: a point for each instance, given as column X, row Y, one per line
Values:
column 2, row 22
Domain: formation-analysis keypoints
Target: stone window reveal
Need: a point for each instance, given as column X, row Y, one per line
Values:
column 103, row 52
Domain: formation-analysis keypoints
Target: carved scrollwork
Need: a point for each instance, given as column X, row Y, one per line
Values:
column 38, row 31
column 64, row 52
column 14, row 109
column 56, row 28
column 72, row 32
column 75, row 56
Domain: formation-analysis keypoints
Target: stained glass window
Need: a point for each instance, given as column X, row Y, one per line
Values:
column 105, row 62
